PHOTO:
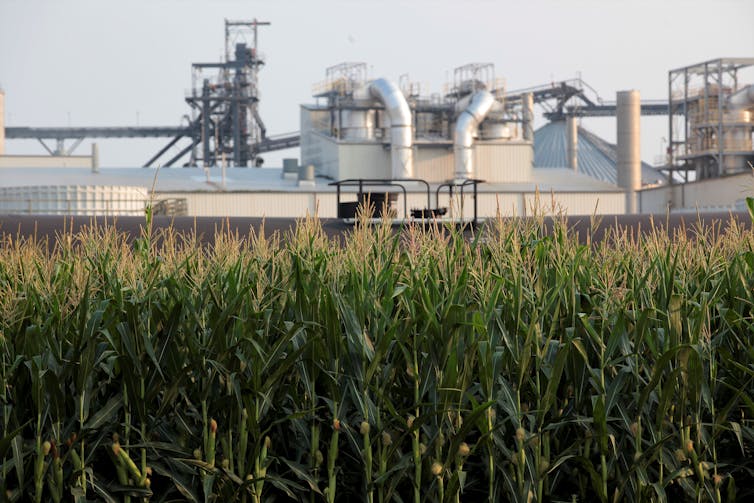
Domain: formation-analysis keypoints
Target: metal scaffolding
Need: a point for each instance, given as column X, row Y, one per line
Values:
column 712, row 140
column 225, row 121
column 225, row 105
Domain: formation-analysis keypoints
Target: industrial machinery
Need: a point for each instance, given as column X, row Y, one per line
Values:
column 714, row 137
column 226, row 105
column 435, row 137
column 224, row 120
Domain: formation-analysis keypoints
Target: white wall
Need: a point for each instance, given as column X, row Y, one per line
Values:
column 297, row 204
column 715, row 193
column 503, row 162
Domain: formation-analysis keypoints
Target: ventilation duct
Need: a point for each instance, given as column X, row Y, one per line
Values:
column 466, row 127
column 401, row 133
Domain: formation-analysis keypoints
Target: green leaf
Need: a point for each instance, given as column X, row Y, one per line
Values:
column 750, row 205
column 301, row 472
column 104, row 414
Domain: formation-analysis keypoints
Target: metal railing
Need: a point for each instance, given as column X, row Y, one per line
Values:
column 174, row 207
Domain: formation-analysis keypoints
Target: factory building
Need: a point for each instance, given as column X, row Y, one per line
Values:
column 470, row 150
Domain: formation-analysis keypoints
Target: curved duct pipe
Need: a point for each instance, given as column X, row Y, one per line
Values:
column 401, row 133
column 742, row 98
column 466, row 126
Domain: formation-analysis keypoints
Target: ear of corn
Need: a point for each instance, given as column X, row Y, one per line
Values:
column 517, row 365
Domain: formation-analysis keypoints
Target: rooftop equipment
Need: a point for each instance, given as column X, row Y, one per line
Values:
column 376, row 129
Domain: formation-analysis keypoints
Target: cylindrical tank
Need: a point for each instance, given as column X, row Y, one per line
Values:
column 629, row 145
column 528, row 117
column 572, row 142
column 2, row 122
column 74, row 200
column 357, row 124
column 306, row 173
column 494, row 131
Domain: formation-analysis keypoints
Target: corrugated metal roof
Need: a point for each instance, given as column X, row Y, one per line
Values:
column 163, row 179
column 596, row 156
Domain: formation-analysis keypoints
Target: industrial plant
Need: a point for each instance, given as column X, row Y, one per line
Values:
column 466, row 152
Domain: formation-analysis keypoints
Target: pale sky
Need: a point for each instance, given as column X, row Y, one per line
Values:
column 108, row 63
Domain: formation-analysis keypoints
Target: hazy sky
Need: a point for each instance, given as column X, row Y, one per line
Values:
column 108, row 63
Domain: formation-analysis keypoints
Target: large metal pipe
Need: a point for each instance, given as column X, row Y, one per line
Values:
column 743, row 98
column 466, row 126
column 572, row 142
column 628, row 107
column 528, row 116
column 401, row 130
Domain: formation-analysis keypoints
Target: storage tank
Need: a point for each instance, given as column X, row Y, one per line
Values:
column 495, row 130
column 357, row 124
column 95, row 200
column 704, row 114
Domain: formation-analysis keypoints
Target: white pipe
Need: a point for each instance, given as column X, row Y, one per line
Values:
column 628, row 108
column 528, row 116
column 401, row 129
column 743, row 98
column 466, row 127
column 95, row 158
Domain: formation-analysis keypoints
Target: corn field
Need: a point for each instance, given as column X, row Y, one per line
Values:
column 418, row 366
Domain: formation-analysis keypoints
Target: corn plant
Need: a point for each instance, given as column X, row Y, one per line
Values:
column 516, row 362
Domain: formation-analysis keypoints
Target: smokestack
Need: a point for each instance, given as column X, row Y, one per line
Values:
column 95, row 158
column 629, row 146
column 572, row 142
column 528, row 117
